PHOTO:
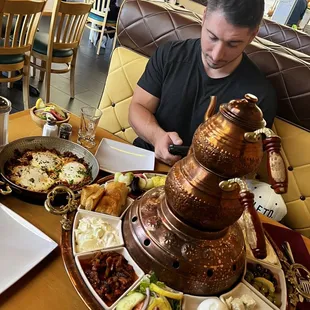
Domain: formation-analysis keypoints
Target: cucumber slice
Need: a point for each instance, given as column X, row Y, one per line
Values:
column 142, row 183
column 129, row 302
column 127, row 178
column 149, row 184
column 116, row 176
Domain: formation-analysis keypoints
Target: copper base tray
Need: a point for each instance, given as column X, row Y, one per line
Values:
column 69, row 259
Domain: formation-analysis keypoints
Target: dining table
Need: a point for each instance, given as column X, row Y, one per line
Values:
column 47, row 285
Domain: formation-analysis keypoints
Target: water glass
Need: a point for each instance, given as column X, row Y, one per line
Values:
column 89, row 121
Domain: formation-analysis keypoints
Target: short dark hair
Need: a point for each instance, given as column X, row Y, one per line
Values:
column 242, row 13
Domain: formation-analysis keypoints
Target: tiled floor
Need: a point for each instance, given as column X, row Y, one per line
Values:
column 91, row 72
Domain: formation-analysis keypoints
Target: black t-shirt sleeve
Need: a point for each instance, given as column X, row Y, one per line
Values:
column 268, row 105
column 153, row 76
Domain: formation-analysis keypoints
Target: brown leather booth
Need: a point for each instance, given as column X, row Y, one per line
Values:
column 143, row 26
column 285, row 36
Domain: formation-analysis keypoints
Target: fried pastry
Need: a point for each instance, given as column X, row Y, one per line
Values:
column 93, row 199
column 87, row 191
column 114, row 199
column 108, row 205
column 113, row 188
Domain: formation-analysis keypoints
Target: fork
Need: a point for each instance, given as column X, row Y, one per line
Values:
column 304, row 283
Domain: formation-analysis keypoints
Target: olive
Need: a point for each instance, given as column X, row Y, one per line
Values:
column 256, row 274
column 250, row 267
column 259, row 268
column 277, row 301
column 277, row 289
column 271, row 294
column 270, row 298
column 267, row 276
column 249, row 276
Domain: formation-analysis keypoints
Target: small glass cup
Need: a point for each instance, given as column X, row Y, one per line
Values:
column 89, row 121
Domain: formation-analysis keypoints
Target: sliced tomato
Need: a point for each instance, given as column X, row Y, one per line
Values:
column 57, row 115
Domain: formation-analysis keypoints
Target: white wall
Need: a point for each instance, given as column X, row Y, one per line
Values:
column 192, row 6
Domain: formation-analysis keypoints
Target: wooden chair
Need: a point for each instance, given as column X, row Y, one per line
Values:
column 97, row 20
column 60, row 44
column 21, row 19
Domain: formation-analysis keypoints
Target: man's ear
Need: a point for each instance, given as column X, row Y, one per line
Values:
column 204, row 15
column 253, row 34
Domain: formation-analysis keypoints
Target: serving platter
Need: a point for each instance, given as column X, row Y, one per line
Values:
column 190, row 301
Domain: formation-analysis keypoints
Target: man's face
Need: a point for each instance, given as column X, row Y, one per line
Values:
column 221, row 42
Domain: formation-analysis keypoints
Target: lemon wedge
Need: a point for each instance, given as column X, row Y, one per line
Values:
column 160, row 303
column 40, row 104
column 266, row 282
column 159, row 180
column 167, row 292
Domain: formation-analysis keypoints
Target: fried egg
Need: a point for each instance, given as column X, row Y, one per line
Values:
column 72, row 173
column 33, row 178
column 45, row 160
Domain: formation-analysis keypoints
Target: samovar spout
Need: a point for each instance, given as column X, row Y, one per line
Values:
column 211, row 109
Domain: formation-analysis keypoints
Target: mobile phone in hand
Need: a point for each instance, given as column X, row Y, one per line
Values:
column 180, row 150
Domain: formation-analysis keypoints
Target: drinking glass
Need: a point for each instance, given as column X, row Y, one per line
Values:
column 89, row 121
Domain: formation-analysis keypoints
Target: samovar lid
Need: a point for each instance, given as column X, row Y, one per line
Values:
column 244, row 112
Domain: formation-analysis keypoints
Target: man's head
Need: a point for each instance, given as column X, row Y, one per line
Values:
column 228, row 27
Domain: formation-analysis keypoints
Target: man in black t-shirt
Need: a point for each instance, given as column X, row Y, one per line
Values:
column 174, row 92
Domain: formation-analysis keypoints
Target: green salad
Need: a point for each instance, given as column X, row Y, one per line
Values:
column 151, row 294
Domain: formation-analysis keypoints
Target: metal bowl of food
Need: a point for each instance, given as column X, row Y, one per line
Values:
column 33, row 166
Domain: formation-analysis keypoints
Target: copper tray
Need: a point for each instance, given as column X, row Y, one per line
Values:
column 69, row 260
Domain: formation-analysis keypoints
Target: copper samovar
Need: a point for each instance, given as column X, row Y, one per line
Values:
column 187, row 230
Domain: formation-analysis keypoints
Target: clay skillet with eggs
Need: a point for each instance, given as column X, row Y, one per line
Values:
column 40, row 171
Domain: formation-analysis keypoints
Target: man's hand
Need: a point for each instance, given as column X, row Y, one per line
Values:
column 141, row 117
column 161, row 147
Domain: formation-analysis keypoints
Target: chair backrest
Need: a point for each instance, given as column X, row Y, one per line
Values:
column 21, row 18
column 67, row 24
column 100, row 7
column 126, row 68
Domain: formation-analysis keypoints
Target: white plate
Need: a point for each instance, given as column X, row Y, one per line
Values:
column 279, row 275
column 242, row 289
column 115, row 222
column 22, row 245
column 115, row 156
column 121, row 250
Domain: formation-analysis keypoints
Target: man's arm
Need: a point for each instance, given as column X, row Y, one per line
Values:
column 142, row 119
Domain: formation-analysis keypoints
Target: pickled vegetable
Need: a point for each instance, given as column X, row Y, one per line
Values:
column 264, row 281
